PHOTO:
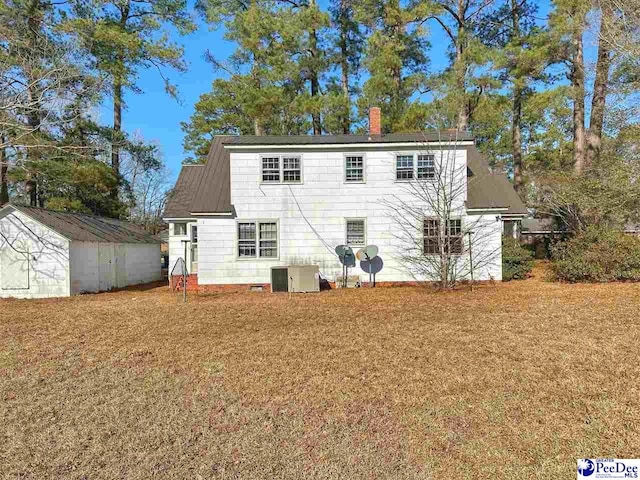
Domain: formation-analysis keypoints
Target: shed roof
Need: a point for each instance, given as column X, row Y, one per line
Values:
column 85, row 228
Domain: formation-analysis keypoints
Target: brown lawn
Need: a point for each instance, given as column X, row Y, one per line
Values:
column 509, row 381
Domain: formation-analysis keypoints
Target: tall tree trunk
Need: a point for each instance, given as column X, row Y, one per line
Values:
column 344, row 80
column 516, row 135
column 594, row 135
column 125, row 9
column 313, row 76
column 4, row 171
column 460, row 69
column 516, row 139
column 577, row 84
column 257, row 128
column 117, row 133
column 33, row 117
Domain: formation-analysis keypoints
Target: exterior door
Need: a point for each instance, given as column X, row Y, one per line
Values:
column 121, row 266
column 106, row 269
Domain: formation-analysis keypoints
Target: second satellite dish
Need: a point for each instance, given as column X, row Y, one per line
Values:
column 346, row 256
column 367, row 253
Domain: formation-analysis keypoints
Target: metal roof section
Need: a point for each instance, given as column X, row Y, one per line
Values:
column 85, row 228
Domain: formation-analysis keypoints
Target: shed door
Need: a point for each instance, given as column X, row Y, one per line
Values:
column 121, row 266
column 106, row 269
column 15, row 267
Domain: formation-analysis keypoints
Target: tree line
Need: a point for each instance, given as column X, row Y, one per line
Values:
column 522, row 80
column 59, row 62
column 516, row 77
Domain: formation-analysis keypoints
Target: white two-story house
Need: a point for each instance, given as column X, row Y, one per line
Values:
column 265, row 201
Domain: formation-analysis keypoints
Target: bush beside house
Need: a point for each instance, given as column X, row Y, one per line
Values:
column 517, row 261
column 597, row 255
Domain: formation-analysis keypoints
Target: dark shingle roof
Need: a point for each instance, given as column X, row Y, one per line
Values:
column 206, row 189
column 445, row 136
column 490, row 190
column 181, row 197
column 214, row 191
column 86, row 228
column 203, row 188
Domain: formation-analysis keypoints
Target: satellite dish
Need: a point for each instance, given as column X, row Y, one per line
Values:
column 373, row 266
column 370, row 251
column 346, row 256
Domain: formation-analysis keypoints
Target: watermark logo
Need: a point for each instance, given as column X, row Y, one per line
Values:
column 609, row 468
column 586, row 467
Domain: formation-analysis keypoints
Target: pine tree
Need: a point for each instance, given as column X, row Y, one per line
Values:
column 568, row 23
column 458, row 19
column 123, row 36
column 600, row 89
column 521, row 55
column 348, row 42
column 395, row 58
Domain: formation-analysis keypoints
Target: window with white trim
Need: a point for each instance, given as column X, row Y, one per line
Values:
column 257, row 239
column 247, row 239
column 180, row 228
column 271, row 169
column 452, row 237
column 356, row 232
column 281, row 169
column 268, row 240
column 404, row 167
column 426, row 167
column 354, row 168
column 291, row 171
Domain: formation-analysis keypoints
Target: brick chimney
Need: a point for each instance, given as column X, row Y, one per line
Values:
column 375, row 127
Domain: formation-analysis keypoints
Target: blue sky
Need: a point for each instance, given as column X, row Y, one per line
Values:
column 156, row 116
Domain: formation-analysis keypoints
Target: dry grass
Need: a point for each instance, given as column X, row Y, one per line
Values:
column 512, row 381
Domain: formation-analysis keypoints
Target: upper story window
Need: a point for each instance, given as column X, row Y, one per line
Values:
column 354, row 168
column 410, row 166
column 180, row 228
column 281, row 169
column 426, row 167
column 291, row 171
column 404, row 167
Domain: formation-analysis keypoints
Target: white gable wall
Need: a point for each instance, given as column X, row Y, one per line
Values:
column 312, row 217
column 40, row 267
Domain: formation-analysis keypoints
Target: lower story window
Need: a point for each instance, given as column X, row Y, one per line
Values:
column 355, row 231
column 258, row 239
column 452, row 237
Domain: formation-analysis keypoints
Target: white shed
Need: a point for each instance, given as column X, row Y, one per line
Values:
column 44, row 253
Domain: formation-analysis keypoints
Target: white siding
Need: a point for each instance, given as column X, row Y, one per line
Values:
column 143, row 263
column 103, row 266
column 311, row 218
column 47, row 261
column 176, row 246
column 85, row 267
